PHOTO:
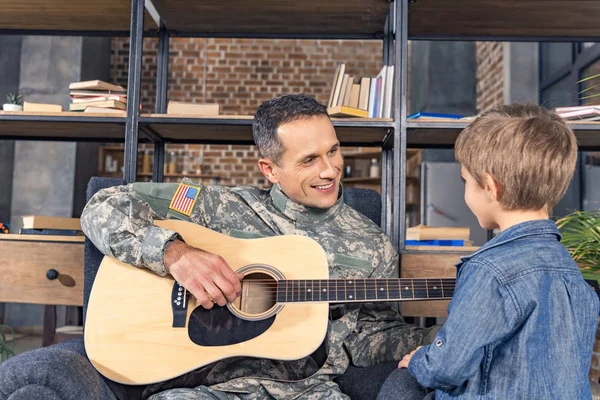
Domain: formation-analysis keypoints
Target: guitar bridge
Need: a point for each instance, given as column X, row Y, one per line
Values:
column 179, row 304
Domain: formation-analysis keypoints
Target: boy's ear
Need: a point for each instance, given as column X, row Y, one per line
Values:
column 268, row 169
column 492, row 188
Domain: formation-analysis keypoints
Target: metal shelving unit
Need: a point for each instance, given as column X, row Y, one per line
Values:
column 393, row 22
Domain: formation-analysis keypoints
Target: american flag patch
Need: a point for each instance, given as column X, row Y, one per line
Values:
column 184, row 199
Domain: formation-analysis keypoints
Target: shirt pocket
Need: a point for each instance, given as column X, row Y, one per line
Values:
column 345, row 266
column 157, row 195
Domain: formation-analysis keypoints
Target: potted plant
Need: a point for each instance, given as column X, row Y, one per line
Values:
column 14, row 102
column 581, row 237
column 6, row 349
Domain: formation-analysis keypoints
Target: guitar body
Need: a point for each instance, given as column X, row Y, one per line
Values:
column 129, row 332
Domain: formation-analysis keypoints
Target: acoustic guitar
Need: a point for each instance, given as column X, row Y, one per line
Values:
column 142, row 328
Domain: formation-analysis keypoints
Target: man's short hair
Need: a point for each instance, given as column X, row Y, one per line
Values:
column 529, row 151
column 278, row 111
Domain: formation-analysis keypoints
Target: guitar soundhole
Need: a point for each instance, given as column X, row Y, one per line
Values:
column 259, row 295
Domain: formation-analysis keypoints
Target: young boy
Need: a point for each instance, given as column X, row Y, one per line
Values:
column 522, row 322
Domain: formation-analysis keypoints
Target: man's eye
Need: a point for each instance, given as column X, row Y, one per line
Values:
column 308, row 160
column 332, row 152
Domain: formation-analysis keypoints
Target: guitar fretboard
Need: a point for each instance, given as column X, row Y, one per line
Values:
column 364, row 290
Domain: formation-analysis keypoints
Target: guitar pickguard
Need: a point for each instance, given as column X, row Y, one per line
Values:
column 219, row 327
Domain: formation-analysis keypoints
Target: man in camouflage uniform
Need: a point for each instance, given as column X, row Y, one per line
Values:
column 301, row 157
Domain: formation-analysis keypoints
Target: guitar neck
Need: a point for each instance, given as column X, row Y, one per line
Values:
column 364, row 290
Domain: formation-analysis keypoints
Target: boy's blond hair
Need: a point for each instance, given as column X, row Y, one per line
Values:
column 530, row 153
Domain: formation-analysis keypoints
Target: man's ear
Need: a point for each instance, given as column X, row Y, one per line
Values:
column 492, row 188
column 268, row 169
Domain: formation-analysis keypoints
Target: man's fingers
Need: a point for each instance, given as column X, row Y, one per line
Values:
column 231, row 277
column 226, row 287
column 240, row 276
column 215, row 293
column 202, row 298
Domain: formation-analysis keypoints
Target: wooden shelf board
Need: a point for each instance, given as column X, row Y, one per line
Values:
column 373, row 153
column 62, row 114
column 361, row 179
column 440, row 249
column 62, row 126
column 443, row 134
column 333, row 17
column 503, row 19
column 42, row 238
column 60, row 15
column 238, row 129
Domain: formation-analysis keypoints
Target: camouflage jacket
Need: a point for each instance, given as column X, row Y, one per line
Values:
column 118, row 221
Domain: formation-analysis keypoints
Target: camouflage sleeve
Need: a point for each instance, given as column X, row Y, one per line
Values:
column 381, row 334
column 119, row 221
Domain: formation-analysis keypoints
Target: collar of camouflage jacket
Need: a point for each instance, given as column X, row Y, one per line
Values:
column 301, row 213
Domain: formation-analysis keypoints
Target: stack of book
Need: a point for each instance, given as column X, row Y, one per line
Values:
column 579, row 113
column 422, row 235
column 97, row 97
column 366, row 97
column 48, row 225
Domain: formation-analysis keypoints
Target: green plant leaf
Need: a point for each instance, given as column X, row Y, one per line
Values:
column 589, row 97
column 589, row 78
column 581, row 237
column 590, row 88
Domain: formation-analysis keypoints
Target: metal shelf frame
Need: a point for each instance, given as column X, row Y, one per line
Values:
column 392, row 137
column 400, row 132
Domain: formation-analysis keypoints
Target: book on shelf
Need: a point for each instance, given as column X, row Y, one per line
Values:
column 95, row 85
column 103, row 110
column 337, row 86
column 343, row 111
column 50, row 222
column 370, row 94
column 102, row 97
column 198, row 109
column 41, row 107
column 363, row 101
column 98, row 97
column 432, row 116
column 105, row 104
column 424, row 232
column 95, row 93
column 579, row 113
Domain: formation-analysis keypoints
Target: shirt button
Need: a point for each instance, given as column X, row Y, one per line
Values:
column 439, row 343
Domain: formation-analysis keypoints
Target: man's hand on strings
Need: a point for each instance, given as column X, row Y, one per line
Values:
column 206, row 276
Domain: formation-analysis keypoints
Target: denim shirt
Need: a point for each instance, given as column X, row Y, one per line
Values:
column 521, row 324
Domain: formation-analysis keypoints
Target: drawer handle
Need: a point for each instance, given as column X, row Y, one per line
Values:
column 65, row 280
column 52, row 274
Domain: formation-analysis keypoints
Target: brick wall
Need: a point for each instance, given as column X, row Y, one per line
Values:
column 490, row 75
column 240, row 74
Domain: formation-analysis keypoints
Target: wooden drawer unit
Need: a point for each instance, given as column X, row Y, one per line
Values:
column 26, row 262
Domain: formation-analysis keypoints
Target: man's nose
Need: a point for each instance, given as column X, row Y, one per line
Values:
column 328, row 170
